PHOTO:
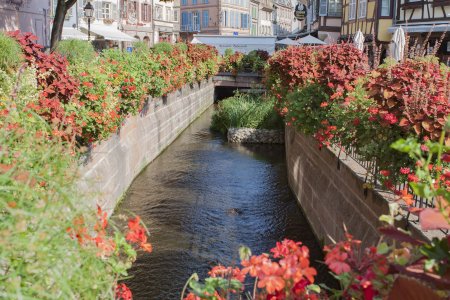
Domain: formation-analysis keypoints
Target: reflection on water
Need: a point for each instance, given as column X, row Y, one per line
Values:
column 203, row 198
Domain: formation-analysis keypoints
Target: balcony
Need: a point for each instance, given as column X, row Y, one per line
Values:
column 190, row 28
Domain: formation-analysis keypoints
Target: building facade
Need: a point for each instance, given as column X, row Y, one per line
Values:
column 166, row 18
column 223, row 17
column 136, row 19
column 266, row 10
column 282, row 17
column 27, row 16
column 372, row 17
column 327, row 19
column 418, row 18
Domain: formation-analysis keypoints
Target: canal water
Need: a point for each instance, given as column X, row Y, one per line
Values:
column 203, row 198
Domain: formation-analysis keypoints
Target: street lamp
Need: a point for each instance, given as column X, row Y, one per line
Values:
column 89, row 13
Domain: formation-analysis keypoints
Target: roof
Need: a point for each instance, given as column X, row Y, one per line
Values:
column 110, row 33
column 70, row 33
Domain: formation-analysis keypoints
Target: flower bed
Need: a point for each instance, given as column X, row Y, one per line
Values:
column 53, row 244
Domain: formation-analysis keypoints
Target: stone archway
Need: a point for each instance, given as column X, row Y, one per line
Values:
column 146, row 39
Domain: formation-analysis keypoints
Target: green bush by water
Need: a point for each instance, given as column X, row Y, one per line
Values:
column 246, row 111
column 10, row 52
column 76, row 51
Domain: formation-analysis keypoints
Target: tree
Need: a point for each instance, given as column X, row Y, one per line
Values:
column 62, row 7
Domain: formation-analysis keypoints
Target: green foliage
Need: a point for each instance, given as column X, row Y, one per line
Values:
column 162, row 47
column 309, row 107
column 246, row 111
column 10, row 53
column 141, row 47
column 39, row 203
column 76, row 51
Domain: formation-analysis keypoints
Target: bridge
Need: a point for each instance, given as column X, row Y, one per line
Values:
column 241, row 80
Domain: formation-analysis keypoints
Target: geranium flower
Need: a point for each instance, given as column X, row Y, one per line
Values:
column 123, row 292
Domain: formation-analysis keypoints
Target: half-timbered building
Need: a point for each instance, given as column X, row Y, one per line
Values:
column 420, row 18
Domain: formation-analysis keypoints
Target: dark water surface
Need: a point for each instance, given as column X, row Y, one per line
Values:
column 203, row 198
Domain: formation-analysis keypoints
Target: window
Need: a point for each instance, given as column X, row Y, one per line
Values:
column 183, row 2
column 236, row 19
column 352, row 10
column 205, row 19
column 106, row 10
column 362, row 9
column 334, row 8
column 323, row 6
column 196, row 20
column 194, row 2
column 175, row 15
column 205, row 1
column 385, row 8
column 168, row 14
column 244, row 21
column 145, row 12
column 158, row 12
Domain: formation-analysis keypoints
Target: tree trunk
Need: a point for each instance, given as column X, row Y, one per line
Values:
column 58, row 22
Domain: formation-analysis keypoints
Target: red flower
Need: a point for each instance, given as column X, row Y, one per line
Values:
column 123, row 292
column 405, row 170
column 385, row 173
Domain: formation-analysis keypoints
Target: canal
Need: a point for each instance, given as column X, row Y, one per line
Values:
column 201, row 199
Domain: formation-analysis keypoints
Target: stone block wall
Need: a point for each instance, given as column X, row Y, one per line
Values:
column 108, row 170
column 330, row 191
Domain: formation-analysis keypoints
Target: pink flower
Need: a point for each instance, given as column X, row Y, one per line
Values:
column 405, row 170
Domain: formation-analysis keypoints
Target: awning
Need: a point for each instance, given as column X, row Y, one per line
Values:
column 287, row 42
column 243, row 44
column 110, row 33
column 70, row 33
column 422, row 28
column 196, row 41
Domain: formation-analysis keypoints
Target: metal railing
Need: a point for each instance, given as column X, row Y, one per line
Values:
column 190, row 28
column 372, row 171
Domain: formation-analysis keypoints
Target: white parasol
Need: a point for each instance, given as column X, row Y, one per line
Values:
column 358, row 40
column 398, row 44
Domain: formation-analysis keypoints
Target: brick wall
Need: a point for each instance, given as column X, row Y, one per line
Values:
column 108, row 170
column 331, row 196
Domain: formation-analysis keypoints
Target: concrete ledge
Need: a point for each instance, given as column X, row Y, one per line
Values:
column 331, row 193
column 255, row 136
column 111, row 166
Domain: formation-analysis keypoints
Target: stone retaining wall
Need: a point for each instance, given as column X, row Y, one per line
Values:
column 255, row 136
column 108, row 170
column 331, row 193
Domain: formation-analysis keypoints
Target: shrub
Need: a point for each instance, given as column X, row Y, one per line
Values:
column 162, row 47
column 255, row 61
column 246, row 111
column 58, row 103
column 413, row 95
column 141, row 47
column 76, row 51
column 10, row 53
column 53, row 244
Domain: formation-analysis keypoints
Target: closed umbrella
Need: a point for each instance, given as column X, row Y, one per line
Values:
column 358, row 40
column 398, row 44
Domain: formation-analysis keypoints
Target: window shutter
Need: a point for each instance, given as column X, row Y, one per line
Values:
column 143, row 12
column 149, row 14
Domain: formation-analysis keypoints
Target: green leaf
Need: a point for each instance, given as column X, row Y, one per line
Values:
column 383, row 248
column 313, row 288
column 244, row 253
